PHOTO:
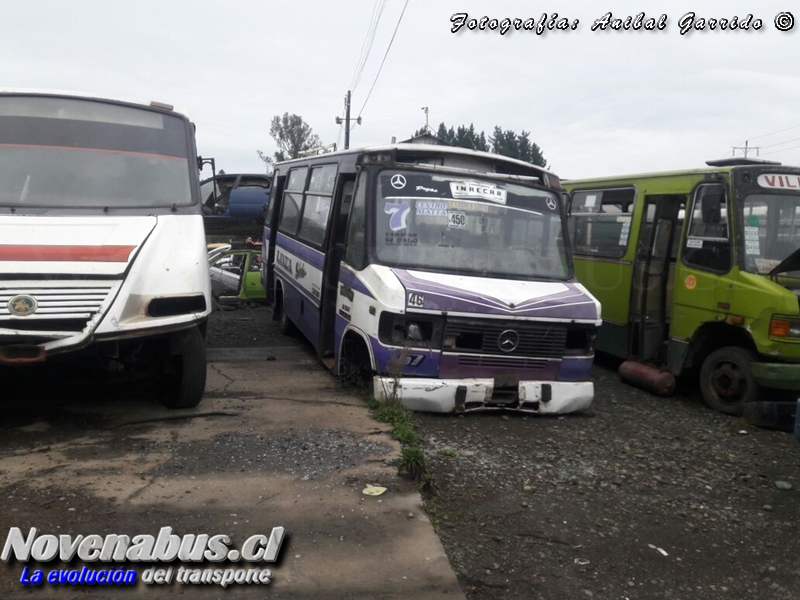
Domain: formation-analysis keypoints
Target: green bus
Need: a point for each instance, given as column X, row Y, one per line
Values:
column 697, row 271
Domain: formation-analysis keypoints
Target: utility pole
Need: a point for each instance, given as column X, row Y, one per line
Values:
column 745, row 149
column 347, row 120
column 427, row 127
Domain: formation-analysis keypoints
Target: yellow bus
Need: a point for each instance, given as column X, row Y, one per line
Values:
column 697, row 270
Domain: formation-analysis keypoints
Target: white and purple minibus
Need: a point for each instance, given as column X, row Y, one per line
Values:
column 441, row 274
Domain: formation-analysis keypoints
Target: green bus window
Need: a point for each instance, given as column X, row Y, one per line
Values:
column 708, row 243
column 600, row 221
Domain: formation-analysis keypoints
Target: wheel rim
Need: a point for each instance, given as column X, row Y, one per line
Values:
column 729, row 382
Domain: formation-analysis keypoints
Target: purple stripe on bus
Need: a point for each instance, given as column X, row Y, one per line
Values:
column 347, row 277
column 389, row 360
column 575, row 369
column 288, row 279
column 313, row 257
column 307, row 320
column 571, row 303
column 439, row 288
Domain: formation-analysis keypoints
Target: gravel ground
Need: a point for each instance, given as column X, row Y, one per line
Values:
column 243, row 327
column 640, row 497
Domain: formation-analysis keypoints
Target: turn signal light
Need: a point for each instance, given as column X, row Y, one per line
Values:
column 779, row 328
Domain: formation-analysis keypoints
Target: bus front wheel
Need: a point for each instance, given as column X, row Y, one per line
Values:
column 726, row 381
column 184, row 379
column 355, row 368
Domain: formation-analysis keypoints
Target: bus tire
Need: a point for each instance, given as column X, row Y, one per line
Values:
column 184, row 380
column 285, row 325
column 726, row 381
column 355, row 366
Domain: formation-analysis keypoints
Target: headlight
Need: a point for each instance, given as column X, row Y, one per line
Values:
column 410, row 330
column 784, row 328
column 580, row 340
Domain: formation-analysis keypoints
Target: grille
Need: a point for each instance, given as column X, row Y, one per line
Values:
column 541, row 340
column 63, row 308
column 502, row 362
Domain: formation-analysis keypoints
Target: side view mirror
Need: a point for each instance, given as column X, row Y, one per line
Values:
column 201, row 162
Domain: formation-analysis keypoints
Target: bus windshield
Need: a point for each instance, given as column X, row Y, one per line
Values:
column 465, row 224
column 59, row 152
column 771, row 231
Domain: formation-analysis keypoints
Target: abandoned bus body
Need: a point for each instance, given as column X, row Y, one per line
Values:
column 102, row 250
column 439, row 273
column 698, row 270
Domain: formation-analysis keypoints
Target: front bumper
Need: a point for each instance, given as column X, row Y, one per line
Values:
column 779, row 376
column 464, row 395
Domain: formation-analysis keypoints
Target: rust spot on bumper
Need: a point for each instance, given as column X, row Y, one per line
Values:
column 21, row 354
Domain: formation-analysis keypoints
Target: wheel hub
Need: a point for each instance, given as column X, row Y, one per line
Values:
column 728, row 382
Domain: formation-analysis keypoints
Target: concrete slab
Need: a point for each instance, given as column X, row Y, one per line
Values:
column 274, row 443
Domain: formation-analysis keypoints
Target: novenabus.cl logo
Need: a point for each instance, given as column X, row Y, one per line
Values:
column 165, row 547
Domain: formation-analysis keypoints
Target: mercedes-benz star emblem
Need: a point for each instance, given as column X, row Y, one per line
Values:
column 508, row 340
column 551, row 204
column 22, row 306
column 398, row 181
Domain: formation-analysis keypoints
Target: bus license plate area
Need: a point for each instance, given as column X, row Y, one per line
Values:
column 506, row 390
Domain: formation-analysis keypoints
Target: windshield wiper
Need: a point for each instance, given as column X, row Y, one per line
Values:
column 790, row 263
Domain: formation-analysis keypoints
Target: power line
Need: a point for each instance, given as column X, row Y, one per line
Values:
column 774, row 132
column 369, row 39
column 783, row 149
column 366, row 45
column 389, row 47
column 782, row 143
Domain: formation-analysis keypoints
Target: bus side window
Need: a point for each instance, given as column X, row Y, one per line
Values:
column 708, row 243
column 355, row 252
column 315, row 219
column 290, row 213
column 600, row 221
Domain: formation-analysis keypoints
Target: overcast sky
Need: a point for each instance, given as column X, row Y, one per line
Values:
column 596, row 102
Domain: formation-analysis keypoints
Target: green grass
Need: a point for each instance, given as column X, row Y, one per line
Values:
column 404, row 429
column 412, row 462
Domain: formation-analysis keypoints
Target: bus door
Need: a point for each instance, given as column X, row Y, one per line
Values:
column 333, row 259
column 701, row 296
column 654, row 272
column 271, row 234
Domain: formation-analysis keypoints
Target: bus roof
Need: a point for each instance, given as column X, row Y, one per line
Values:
column 431, row 149
column 90, row 96
column 721, row 166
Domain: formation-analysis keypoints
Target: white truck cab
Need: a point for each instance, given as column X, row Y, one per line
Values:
column 102, row 245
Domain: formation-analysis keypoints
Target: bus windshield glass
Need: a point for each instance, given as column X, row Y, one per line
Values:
column 65, row 152
column 468, row 225
column 771, row 231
